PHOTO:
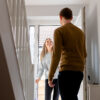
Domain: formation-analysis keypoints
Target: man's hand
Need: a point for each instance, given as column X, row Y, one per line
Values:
column 51, row 84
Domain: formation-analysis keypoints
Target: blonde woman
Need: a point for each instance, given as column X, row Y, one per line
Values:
column 45, row 65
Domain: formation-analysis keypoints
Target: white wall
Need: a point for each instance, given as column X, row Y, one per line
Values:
column 98, row 13
column 93, row 40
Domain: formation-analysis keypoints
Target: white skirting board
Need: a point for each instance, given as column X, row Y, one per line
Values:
column 93, row 92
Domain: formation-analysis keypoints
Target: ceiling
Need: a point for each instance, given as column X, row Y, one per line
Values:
column 52, row 2
column 50, row 10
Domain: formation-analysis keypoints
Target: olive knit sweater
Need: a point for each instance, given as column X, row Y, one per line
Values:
column 69, row 49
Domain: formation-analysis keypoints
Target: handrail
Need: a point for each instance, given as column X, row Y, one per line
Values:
column 17, row 14
column 9, row 53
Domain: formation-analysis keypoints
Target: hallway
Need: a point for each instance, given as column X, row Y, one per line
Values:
column 24, row 26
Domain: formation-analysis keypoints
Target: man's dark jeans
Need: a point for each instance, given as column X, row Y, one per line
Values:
column 69, row 84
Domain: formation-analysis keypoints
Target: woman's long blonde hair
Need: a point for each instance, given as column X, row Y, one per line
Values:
column 44, row 50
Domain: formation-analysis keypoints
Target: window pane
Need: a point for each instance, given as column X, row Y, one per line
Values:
column 32, row 31
column 45, row 32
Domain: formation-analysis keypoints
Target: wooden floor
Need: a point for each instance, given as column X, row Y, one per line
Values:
column 41, row 90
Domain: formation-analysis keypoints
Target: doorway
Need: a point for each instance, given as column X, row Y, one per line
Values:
column 43, row 31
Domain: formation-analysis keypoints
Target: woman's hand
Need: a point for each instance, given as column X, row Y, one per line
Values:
column 37, row 80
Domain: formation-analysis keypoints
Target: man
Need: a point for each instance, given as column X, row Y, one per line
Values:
column 69, row 49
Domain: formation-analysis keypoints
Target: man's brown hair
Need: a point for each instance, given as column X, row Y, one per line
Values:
column 66, row 13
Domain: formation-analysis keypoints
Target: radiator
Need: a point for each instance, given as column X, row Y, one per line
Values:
column 93, row 92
